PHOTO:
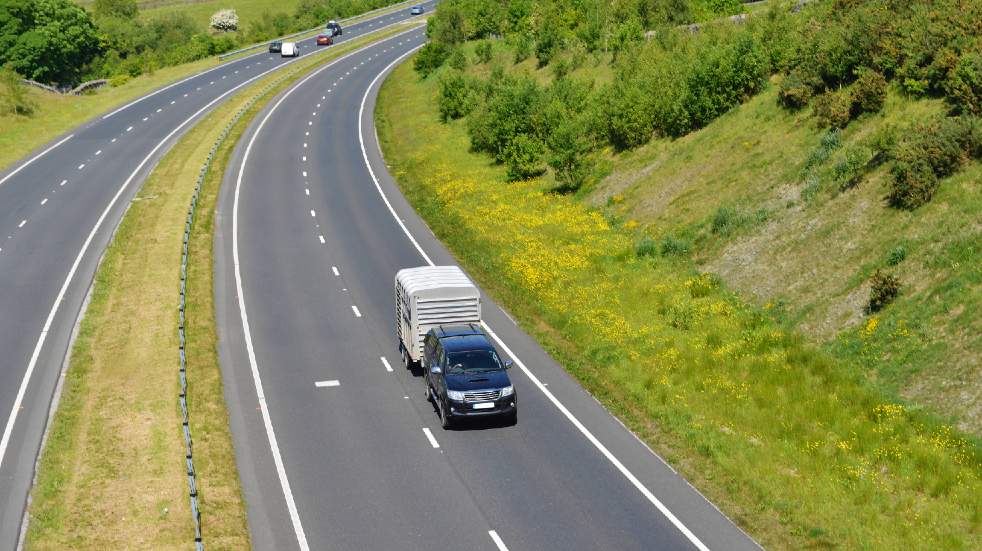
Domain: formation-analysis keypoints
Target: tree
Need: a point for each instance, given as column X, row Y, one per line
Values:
column 225, row 21
column 46, row 40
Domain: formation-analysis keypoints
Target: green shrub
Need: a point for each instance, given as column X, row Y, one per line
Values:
column 430, row 57
column 964, row 85
column 795, row 91
column 458, row 59
column 884, row 288
column 569, row 153
column 456, row 98
column 646, row 247
column 484, row 51
column 850, row 170
column 14, row 98
column 119, row 80
column 724, row 221
column 869, row 92
column 523, row 157
column 882, row 143
column 833, row 109
column 897, row 255
column 523, row 48
column 913, row 183
column 674, row 246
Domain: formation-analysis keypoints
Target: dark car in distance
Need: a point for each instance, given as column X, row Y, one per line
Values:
column 324, row 40
column 333, row 28
column 416, row 10
column 464, row 376
column 275, row 47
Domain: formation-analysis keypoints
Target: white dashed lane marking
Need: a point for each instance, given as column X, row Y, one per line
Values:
column 356, row 311
column 313, row 214
column 386, row 364
column 99, row 152
column 63, row 182
column 43, row 201
column 325, row 384
column 129, row 128
column 429, row 436
column 81, row 166
column 322, row 240
column 22, row 222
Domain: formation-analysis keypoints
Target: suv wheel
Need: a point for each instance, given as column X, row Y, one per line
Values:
column 445, row 421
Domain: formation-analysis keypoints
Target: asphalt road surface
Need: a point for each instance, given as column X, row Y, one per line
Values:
column 58, row 209
column 311, row 231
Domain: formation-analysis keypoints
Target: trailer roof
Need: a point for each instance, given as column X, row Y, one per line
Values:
column 437, row 282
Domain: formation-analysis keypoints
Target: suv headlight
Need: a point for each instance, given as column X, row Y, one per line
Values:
column 507, row 391
column 455, row 395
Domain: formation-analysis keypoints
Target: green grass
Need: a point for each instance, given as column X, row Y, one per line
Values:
column 57, row 114
column 796, row 446
column 112, row 472
column 810, row 257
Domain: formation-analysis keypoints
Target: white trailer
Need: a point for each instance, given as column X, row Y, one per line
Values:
column 430, row 296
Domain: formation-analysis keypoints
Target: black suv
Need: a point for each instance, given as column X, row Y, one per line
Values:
column 333, row 28
column 275, row 46
column 464, row 377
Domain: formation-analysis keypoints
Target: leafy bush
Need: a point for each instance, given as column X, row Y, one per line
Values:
column 882, row 143
column 897, row 255
column 523, row 157
column 646, row 247
column 458, row 60
column 674, row 246
column 14, row 98
column 964, row 85
column 794, row 91
column 569, row 153
column 852, row 167
column 430, row 57
column 833, row 109
column 929, row 152
column 484, row 51
column 884, row 288
column 456, row 98
column 225, row 21
column 869, row 92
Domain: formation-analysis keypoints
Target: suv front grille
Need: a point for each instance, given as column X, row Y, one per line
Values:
column 482, row 395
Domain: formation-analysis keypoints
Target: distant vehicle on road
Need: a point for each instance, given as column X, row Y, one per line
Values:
column 416, row 10
column 275, row 47
column 289, row 49
column 438, row 316
column 334, row 28
column 324, row 40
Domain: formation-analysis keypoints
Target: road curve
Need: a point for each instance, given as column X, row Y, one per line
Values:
column 58, row 208
column 311, row 230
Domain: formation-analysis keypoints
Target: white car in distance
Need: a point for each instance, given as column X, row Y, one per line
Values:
column 290, row 49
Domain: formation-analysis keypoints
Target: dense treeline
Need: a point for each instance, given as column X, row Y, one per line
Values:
column 838, row 57
column 667, row 85
column 60, row 43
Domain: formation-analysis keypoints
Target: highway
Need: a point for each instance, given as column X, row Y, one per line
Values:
column 336, row 446
column 58, row 209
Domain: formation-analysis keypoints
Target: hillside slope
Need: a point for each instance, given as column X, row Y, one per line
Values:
column 753, row 201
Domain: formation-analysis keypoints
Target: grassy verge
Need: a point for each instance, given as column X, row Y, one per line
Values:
column 56, row 114
column 794, row 446
column 112, row 473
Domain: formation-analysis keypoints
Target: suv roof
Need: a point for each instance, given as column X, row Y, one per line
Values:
column 462, row 337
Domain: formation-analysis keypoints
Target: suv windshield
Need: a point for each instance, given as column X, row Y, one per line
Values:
column 473, row 361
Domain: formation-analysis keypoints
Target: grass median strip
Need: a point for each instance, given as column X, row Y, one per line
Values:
column 796, row 448
column 112, row 474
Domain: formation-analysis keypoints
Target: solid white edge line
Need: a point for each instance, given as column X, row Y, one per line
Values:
column 240, row 295
column 32, row 363
column 535, row 380
column 385, row 363
column 34, row 158
column 497, row 540
column 431, row 438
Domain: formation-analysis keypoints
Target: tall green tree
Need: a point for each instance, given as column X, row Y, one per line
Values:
column 46, row 40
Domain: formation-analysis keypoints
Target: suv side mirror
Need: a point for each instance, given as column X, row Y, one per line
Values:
column 509, row 364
